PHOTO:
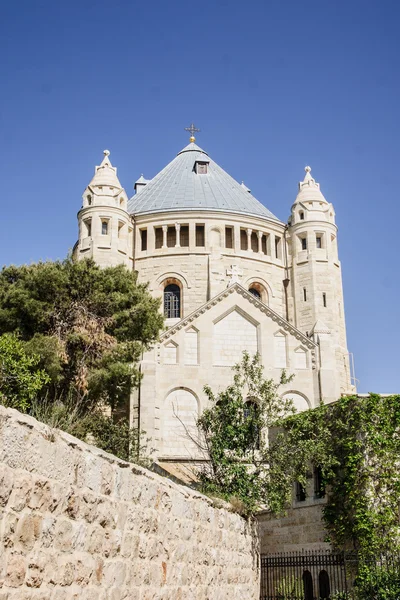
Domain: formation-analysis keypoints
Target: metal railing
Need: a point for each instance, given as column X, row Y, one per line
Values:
column 327, row 575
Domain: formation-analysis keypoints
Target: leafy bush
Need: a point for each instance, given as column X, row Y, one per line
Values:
column 20, row 378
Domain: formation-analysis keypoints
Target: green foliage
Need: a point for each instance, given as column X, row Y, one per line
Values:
column 380, row 582
column 356, row 442
column 290, row 588
column 88, row 326
column 20, row 378
column 233, row 438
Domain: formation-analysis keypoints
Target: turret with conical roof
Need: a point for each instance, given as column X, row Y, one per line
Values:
column 315, row 291
column 105, row 231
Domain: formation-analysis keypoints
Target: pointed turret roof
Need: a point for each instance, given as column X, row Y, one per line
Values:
column 179, row 187
column 309, row 189
column 105, row 173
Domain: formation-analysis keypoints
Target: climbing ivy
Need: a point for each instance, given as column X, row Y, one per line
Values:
column 356, row 443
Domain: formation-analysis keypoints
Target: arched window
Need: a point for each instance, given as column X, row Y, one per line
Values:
column 172, row 301
column 258, row 291
column 301, row 215
column 255, row 292
column 324, row 585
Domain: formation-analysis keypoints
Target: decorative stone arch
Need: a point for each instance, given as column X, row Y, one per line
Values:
column 260, row 281
column 180, row 411
column 180, row 280
column 300, row 400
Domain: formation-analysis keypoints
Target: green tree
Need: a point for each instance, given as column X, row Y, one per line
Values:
column 89, row 326
column 356, row 443
column 20, row 378
column 233, row 434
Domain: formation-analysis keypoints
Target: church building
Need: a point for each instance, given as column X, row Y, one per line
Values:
column 232, row 277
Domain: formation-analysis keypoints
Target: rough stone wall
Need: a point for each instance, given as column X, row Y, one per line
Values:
column 79, row 523
column 302, row 528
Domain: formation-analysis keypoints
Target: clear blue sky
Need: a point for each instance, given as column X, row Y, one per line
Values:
column 273, row 85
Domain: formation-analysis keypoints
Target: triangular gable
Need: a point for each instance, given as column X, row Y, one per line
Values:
column 263, row 308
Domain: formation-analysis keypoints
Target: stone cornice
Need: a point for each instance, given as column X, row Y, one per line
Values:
column 236, row 287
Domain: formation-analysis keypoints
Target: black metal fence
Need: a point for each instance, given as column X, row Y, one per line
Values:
column 326, row 575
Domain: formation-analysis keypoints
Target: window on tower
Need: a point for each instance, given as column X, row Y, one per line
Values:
column 243, row 239
column 304, row 243
column 143, row 239
column 104, row 227
column 324, row 299
column 228, row 237
column 184, row 236
column 318, row 241
column 158, row 237
column 88, row 225
column 200, row 236
column 301, row 215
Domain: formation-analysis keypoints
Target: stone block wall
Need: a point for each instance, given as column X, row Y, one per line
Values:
column 302, row 528
column 76, row 522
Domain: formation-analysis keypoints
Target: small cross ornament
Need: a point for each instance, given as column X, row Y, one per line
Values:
column 192, row 130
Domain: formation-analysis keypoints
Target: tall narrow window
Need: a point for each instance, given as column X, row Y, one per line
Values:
column 184, row 237
column 243, row 239
column 305, row 294
column 264, row 244
column 254, row 241
column 300, row 492
column 200, row 237
column 159, row 237
column 120, row 228
column 304, row 243
column 89, row 199
column 104, row 227
column 88, row 225
column 319, row 487
column 143, row 238
column 318, row 241
column 171, row 236
column 172, row 301
column 324, row 299
column 228, row 237
column 301, row 215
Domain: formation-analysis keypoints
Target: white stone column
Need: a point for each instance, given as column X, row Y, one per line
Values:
column 249, row 232
column 260, row 235
column 178, row 235
column 164, row 230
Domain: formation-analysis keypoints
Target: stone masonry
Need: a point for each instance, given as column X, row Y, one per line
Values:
column 76, row 522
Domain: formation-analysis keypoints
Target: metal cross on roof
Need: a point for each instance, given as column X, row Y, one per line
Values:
column 192, row 130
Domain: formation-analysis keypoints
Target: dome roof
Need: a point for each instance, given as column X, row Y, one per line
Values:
column 180, row 187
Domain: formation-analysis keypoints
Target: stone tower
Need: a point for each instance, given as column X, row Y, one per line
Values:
column 105, row 230
column 316, row 298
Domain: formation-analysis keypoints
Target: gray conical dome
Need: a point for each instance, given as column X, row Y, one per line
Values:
column 179, row 187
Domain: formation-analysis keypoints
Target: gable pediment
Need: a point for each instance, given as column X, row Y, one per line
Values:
column 261, row 311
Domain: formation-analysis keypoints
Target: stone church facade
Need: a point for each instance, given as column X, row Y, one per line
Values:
column 231, row 277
